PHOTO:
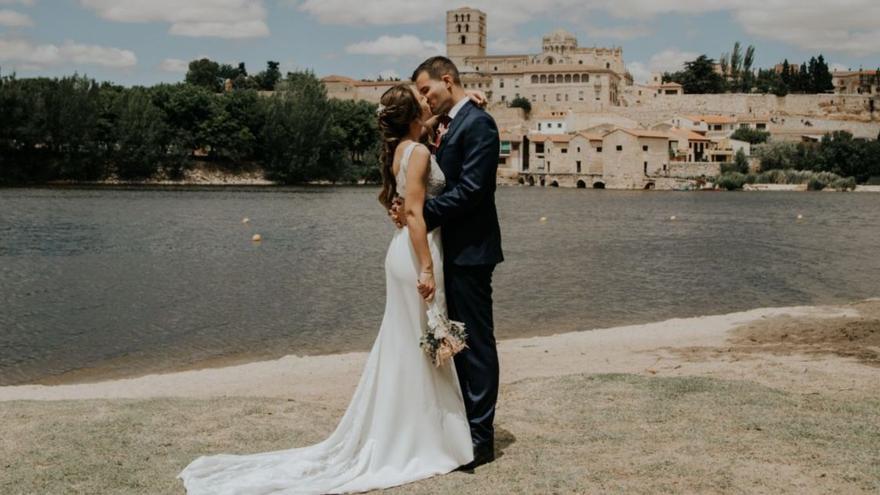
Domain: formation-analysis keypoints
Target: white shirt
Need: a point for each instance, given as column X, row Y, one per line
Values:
column 454, row 110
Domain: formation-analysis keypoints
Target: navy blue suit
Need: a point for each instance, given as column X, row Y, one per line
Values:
column 465, row 211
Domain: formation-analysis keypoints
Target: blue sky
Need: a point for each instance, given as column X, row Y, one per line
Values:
column 149, row 41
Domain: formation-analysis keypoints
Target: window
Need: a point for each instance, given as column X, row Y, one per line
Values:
column 645, row 148
column 580, row 96
column 501, row 84
column 579, row 149
column 598, row 149
column 495, row 68
column 585, row 78
column 558, row 97
column 578, row 166
column 539, row 126
column 563, row 150
column 568, row 78
column 619, row 147
column 464, row 40
column 543, row 78
column 535, row 98
column 580, row 62
column 467, row 28
column 559, row 125
column 761, row 126
column 539, row 148
column 503, row 98
column 646, row 168
column 607, row 65
column 534, row 79
column 459, row 28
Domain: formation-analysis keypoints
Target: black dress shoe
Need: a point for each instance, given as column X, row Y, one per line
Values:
column 482, row 455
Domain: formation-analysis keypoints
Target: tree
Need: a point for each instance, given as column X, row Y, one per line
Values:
column 748, row 76
column 698, row 77
column 741, row 161
column 357, row 121
column 522, row 102
column 300, row 138
column 751, row 136
column 267, row 79
column 140, row 137
column 205, row 73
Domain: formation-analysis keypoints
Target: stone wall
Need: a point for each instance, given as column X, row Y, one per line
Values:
column 686, row 170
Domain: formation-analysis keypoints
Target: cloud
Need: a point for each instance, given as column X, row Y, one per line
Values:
column 623, row 32
column 26, row 3
column 397, row 46
column 669, row 60
column 33, row 56
column 175, row 65
column 814, row 25
column 11, row 18
column 233, row 19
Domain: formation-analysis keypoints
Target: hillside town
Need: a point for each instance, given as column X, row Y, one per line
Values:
column 588, row 124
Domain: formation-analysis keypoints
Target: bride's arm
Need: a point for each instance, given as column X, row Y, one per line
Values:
column 417, row 173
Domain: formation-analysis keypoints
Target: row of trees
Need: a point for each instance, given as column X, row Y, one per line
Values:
column 74, row 128
column 733, row 73
column 838, row 153
column 212, row 75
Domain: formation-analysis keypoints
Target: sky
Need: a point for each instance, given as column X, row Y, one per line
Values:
column 144, row 42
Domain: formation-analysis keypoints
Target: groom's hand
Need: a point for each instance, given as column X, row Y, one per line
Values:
column 397, row 213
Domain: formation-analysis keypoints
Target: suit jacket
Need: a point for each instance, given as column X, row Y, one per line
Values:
column 468, row 156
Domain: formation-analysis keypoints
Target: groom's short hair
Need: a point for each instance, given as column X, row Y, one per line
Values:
column 437, row 67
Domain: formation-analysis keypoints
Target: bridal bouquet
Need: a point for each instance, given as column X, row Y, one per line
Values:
column 443, row 338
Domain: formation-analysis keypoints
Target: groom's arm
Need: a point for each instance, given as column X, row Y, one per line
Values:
column 477, row 174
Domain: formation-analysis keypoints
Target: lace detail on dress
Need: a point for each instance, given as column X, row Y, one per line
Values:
column 436, row 179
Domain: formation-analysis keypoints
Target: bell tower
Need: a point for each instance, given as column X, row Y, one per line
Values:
column 465, row 34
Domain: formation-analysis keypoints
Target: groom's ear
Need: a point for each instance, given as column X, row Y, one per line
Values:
column 448, row 81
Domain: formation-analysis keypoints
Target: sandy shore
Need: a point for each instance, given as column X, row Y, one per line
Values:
column 664, row 347
column 779, row 400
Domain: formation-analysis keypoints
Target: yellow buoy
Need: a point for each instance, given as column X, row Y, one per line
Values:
column 543, row 219
column 672, row 217
column 800, row 217
column 257, row 238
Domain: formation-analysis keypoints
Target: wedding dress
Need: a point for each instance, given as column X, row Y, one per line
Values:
column 406, row 420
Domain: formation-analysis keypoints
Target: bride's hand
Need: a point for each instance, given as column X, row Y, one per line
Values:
column 478, row 97
column 426, row 285
column 396, row 212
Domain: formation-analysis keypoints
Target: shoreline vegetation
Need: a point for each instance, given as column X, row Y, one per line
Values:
column 777, row 400
column 266, row 129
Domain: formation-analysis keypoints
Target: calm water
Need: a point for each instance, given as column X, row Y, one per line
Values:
column 120, row 281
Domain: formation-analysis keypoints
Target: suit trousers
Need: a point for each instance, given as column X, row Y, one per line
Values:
column 469, row 300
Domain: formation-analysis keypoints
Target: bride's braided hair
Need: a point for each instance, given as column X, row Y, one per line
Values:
column 398, row 109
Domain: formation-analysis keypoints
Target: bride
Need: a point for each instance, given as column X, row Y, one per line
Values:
column 406, row 420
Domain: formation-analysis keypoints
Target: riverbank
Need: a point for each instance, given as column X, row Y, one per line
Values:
column 777, row 400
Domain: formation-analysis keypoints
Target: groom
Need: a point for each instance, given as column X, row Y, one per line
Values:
column 468, row 156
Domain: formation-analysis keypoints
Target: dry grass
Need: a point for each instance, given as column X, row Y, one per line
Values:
column 574, row 434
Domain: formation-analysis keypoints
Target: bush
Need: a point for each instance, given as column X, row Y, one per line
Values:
column 521, row 102
column 752, row 136
column 731, row 181
column 841, row 184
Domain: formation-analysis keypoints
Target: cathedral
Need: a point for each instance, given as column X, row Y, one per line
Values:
column 563, row 74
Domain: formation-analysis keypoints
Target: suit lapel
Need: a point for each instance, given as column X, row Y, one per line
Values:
column 453, row 127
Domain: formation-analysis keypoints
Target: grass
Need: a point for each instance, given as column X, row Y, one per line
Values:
column 574, row 434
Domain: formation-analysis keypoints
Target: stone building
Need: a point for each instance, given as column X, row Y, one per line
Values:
column 563, row 74
column 861, row 82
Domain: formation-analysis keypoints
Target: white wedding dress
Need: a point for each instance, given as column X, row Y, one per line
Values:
column 406, row 420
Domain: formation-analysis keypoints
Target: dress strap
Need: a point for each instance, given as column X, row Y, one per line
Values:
column 404, row 160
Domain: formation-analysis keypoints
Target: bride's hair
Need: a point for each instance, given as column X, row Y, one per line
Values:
column 398, row 108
